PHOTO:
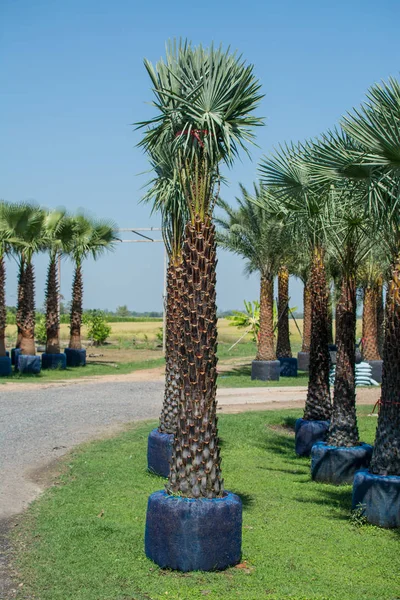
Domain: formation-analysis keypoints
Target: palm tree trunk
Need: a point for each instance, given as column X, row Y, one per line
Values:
column 52, row 317
column 3, row 309
column 330, row 315
column 20, row 302
column 318, row 405
column 306, row 318
column 76, row 310
column 283, row 348
column 173, row 382
column 28, row 312
column 370, row 324
column 343, row 430
column 386, row 454
column 265, row 347
column 380, row 317
column 195, row 468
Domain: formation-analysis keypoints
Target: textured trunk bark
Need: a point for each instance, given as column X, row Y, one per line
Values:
column 28, row 312
column 370, row 346
column 3, row 310
column 173, row 381
column 265, row 347
column 52, row 317
column 76, row 310
column 380, row 317
column 386, row 455
column 318, row 404
column 283, row 348
column 195, row 468
column 307, row 318
column 20, row 302
column 330, row 316
column 343, row 430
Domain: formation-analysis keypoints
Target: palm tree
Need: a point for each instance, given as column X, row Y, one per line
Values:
column 301, row 205
column 58, row 231
column 89, row 238
column 283, row 348
column 205, row 99
column 376, row 129
column 371, row 276
column 165, row 192
column 7, row 238
column 251, row 233
column 27, row 222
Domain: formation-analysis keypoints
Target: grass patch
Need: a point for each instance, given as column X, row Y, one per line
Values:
column 91, row 369
column 240, row 377
column 83, row 539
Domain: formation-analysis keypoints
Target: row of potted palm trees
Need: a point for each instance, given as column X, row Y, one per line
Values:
column 26, row 230
column 335, row 196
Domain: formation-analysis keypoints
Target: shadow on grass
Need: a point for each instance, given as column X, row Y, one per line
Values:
column 241, row 371
column 290, row 422
column 247, row 499
column 336, row 498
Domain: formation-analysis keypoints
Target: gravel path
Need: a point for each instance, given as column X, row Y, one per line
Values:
column 40, row 425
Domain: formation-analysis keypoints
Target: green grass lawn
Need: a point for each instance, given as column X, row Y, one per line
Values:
column 240, row 376
column 89, row 370
column 83, row 539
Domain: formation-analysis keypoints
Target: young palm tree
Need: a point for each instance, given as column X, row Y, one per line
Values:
column 376, row 128
column 89, row 238
column 205, row 100
column 58, row 232
column 165, row 192
column 283, row 348
column 257, row 237
column 303, row 208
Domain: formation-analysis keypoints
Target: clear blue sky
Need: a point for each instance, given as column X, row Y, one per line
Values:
column 73, row 82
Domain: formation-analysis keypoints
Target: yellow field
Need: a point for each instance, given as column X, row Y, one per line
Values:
column 147, row 331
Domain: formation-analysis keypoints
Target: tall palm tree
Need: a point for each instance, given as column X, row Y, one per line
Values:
column 89, row 238
column 7, row 238
column 59, row 230
column 302, row 206
column 250, row 232
column 283, row 348
column 376, row 128
column 165, row 192
column 27, row 221
column 205, row 99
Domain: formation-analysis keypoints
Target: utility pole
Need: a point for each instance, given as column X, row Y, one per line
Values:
column 146, row 239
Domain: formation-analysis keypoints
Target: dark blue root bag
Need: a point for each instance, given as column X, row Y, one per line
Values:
column 265, row 370
column 189, row 534
column 29, row 363
column 337, row 465
column 379, row 498
column 288, row 367
column 309, row 433
column 159, row 452
column 15, row 352
column 54, row 361
column 5, row 366
column 75, row 358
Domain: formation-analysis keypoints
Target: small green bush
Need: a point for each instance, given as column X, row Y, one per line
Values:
column 96, row 322
column 40, row 329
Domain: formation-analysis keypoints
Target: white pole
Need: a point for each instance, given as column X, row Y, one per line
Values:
column 165, row 303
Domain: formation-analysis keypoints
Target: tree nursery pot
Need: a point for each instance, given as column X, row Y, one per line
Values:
column 379, row 498
column 188, row 534
column 309, row 433
column 376, row 370
column 159, row 452
column 303, row 361
column 14, row 353
column 54, row 361
column 265, row 370
column 75, row 358
column 337, row 465
column 29, row 363
column 288, row 366
column 5, row 366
